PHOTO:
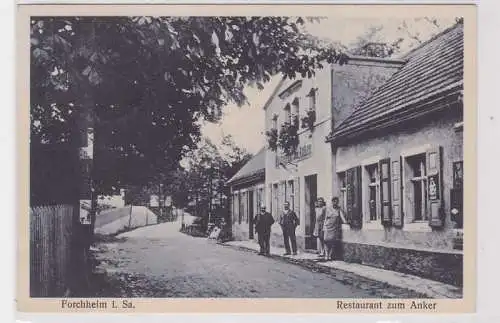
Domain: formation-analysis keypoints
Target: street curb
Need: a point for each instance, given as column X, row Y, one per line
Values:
column 345, row 277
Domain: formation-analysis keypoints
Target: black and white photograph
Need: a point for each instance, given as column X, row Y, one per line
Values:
column 248, row 157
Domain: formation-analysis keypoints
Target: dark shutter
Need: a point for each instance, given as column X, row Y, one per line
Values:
column 296, row 196
column 353, row 196
column 385, row 192
column 396, row 193
column 434, row 187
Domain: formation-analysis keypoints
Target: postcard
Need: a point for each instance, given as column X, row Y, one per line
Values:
column 246, row 158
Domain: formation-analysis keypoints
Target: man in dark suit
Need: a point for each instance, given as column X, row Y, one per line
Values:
column 289, row 221
column 263, row 222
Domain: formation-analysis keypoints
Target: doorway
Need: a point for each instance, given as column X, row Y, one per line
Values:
column 311, row 194
column 250, row 214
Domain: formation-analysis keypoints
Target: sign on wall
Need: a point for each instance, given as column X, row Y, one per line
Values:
column 303, row 152
column 154, row 201
column 168, row 201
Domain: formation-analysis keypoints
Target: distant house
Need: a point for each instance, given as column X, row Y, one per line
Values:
column 247, row 193
column 398, row 161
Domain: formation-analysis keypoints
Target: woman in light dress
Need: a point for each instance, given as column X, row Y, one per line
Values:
column 332, row 228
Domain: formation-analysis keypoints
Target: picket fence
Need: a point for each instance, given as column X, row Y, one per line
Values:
column 51, row 245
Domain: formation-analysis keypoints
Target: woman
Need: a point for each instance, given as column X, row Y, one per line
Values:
column 318, row 227
column 332, row 228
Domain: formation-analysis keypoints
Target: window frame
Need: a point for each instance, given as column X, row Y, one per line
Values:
column 367, row 171
column 421, row 158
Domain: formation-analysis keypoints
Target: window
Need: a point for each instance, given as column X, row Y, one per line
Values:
column 343, row 190
column 458, row 174
column 275, row 122
column 418, row 194
column 235, row 207
column 312, row 98
column 296, row 107
column 260, row 197
column 373, row 191
column 241, row 207
column 290, row 196
column 288, row 115
column 275, row 199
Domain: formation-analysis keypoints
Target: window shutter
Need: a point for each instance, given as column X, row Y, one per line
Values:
column 239, row 208
column 296, row 196
column 434, row 187
column 272, row 205
column 353, row 191
column 385, row 191
column 235, row 212
column 282, row 196
column 396, row 193
column 248, row 205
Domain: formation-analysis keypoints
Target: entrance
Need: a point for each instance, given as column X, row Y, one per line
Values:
column 310, row 216
column 250, row 214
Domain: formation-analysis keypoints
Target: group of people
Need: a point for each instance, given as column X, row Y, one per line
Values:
column 327, row 228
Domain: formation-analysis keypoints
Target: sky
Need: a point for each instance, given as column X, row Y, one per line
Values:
column 246, row 124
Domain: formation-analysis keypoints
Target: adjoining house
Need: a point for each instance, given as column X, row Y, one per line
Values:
column 247, row 193
column 398, row 161
column 313, row 106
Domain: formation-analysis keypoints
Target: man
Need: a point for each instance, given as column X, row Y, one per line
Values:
column 263, row 222
column 289, row 221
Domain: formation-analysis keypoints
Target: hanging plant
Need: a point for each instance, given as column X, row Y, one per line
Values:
column 272, row 139
column 288, row 136
column 309, row 120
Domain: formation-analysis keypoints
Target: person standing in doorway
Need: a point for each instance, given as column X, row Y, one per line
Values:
column 318, row 226
column 289, row 221
column 263, row 223
column 332, row 228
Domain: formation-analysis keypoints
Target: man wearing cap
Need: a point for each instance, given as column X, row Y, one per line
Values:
column 263, row 222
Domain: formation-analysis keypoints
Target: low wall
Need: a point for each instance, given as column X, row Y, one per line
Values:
column 139, row 217
column 446, row 267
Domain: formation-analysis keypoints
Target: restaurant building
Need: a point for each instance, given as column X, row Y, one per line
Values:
column 398, row 162
column 313, row 106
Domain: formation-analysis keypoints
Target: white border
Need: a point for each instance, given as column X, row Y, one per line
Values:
column 488, row 196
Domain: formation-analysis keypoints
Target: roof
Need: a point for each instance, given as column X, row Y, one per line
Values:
column 431, row 77
column 254, row 169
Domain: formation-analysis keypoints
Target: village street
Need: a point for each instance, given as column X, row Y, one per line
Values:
column 159, row 261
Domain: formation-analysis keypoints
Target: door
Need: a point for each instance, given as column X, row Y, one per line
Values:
column 311, row 194
column 250, row 214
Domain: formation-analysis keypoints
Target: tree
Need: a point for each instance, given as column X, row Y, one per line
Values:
column 408, row 34
column 143, row 83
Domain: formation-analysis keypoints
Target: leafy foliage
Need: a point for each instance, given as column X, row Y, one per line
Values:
column 308, row 120
column 143, row 83
column 288, row 136
column 272, row 139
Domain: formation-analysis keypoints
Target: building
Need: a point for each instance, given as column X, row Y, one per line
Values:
column 247, row 194
column 305, row 110
column 398, row 164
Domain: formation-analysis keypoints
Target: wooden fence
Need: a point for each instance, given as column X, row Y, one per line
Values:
column 52, row 234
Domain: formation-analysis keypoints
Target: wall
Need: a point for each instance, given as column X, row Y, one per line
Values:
column 440, row 131
column 340, row 89
column 318, row 162
column 240, row 231
column 353, row 83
